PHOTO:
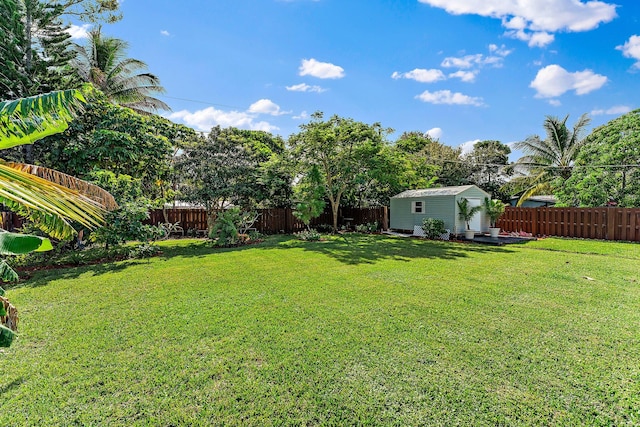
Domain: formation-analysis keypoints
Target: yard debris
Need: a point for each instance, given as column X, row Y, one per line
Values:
column 588, row 278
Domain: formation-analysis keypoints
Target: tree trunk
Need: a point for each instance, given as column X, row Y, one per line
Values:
column 334, row 211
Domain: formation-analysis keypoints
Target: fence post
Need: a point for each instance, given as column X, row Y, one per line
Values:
column 611, row 224
column 385, row 218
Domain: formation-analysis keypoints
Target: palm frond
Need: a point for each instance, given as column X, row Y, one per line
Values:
column 26, row 120
column 87, row 189
column 51, row 206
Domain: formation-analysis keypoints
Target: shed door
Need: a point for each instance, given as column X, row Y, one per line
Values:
column 476, row 221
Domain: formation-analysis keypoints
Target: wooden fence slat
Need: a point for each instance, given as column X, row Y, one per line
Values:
column 587, row 223
column 276, row 220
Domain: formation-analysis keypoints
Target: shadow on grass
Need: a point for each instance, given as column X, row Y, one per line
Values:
column 42, row 277
column 367, row 249
column 13, row 384
column 350, row 248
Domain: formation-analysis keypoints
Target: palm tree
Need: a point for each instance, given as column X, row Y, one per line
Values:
column 103, row 63
column 549, row 162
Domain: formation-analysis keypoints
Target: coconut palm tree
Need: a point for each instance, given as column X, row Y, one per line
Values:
column 103, row 62
column 549, row 162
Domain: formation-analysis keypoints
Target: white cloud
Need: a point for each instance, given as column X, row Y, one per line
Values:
column 420, row 75
column 467, row 147
column 303, row 87
column 539, row 17
column 205, row 119
column 465, row 76
column 266, row 106
column 448, row 97
column 79, row 31
column 302, row 116
column 500, row 50
column 467, row 61
column 613, row 111
column 478, row 59
column 555, row 102
column 535, row 39
column 165, row 33
column 553, row 80
column 434, row 133
column 631, row 49
column 321, row 70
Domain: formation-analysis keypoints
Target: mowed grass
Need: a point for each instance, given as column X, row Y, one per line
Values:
column 356, row 330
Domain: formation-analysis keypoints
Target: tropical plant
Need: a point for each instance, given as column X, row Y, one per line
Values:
column 549, row 162
column 32, row 191
column 50, row 199
column 225, row 228
column 103, row 62
column 494, row 208
column 466, row 212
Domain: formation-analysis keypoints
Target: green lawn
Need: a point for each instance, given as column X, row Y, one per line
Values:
column 361, row 330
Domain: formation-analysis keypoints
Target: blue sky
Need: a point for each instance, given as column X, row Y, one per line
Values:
column 462, row 70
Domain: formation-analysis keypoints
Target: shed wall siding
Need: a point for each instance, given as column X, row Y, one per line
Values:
column 400, row 213
column 442, row 207
column 439, row 207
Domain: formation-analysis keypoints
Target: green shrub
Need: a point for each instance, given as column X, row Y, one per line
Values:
column 308, row 235
column 126, row 224
column 433, row 228
column 225, row 230
column 144, row 250
column 370, row 227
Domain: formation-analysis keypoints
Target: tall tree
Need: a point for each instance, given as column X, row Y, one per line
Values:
column 607, row 170
column 92, row 10
column 487, row 162
column 549, row 162
column 432, row 161
column 103, row 62
column 215, row 172
column 109, row 137
column 36, row 49
column 339, row 148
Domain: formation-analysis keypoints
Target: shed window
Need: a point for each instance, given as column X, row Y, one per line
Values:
column 417, row 207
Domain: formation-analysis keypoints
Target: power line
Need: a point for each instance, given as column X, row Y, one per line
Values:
column 200, row 102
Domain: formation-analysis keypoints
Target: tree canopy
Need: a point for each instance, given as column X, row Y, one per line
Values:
column 607, row 169
column 341, row 149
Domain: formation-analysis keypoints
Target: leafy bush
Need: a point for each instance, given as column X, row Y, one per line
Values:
column 433, row 228
column 254, row 235
column 308, row 235
column 225, row 229
column 370, row 227
column 144, row 250
column 126, row 224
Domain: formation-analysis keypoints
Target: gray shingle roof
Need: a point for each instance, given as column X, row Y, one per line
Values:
column 441, row 191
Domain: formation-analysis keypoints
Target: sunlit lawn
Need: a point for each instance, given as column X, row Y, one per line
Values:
column 360, row 330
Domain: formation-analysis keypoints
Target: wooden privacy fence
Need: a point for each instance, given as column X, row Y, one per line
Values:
column 587, row 223
column 278, row 220
column 10, row 221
